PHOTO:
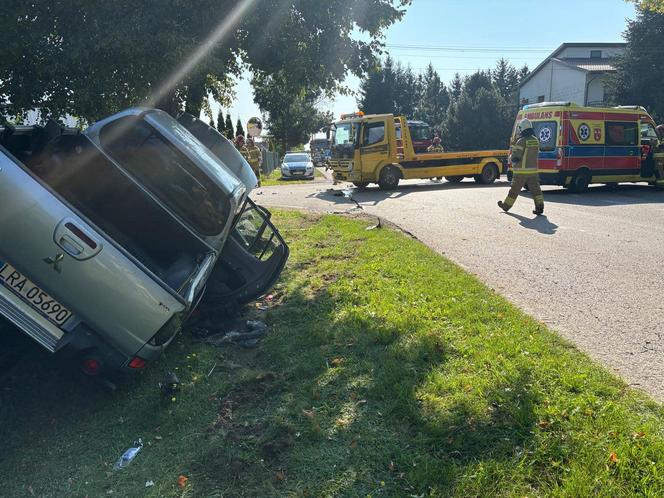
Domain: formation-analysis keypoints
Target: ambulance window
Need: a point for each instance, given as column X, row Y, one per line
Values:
column 374, row 133
column 648, row 131
column 622, row 133
column 546, row 132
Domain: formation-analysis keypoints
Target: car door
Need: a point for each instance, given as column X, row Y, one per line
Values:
column 66, row 258
column 252, row 260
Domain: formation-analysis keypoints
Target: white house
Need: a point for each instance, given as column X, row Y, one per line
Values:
column 574, row 72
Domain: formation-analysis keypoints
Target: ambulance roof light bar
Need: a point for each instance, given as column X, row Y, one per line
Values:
column 358, row 114
column 634, row 107
column 547, row 104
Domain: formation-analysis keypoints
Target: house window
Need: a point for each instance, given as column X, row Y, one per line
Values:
column 595, row 54
column 540, row 98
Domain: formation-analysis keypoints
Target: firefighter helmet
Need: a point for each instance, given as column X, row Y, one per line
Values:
column 660, row 130
column 525, row 124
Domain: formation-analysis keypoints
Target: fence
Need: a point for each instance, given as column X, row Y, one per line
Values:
column 270, row 162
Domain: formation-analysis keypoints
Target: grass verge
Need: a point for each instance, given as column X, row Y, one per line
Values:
column 275, row 178
column 388, row 372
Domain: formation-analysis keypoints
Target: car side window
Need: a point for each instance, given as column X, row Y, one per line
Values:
column 648, row 131
column 374, row 133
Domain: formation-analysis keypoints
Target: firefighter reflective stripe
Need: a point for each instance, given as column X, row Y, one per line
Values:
column 525, row 162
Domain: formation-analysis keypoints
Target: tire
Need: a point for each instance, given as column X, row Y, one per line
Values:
column 490, row 173
column 389, row 178
column 361, row 185
column 454, row 179
column 580, row 182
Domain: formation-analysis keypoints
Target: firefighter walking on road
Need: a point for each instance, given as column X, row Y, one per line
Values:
column 524, row 160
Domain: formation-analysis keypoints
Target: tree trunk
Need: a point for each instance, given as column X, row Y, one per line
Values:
column 195, row 95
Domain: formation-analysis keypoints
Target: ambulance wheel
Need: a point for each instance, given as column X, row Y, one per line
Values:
column 454, row 179
column 389, row 178
column 580, row 182
column 490, row 174
column 361, row 185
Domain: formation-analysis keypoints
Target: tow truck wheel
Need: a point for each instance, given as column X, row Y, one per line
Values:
column 361, row 185
column 490, row 174
column 580, row 182
column 389, row 178
column 454, row 179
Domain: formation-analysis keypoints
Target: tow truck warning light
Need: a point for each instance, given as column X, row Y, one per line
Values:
column 357, row 114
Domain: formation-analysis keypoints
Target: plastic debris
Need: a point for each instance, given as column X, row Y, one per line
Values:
column 182, row 481
column 169, row 385
column 129, row 455
column 149, row 484
column 249, row 338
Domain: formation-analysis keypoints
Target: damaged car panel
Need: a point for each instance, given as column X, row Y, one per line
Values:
column 108, row 237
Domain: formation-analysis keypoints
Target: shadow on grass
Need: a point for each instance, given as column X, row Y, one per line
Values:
column 351, row 408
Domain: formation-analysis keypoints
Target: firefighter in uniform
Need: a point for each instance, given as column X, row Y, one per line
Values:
column 251, row 153
column 524, row 161
column 435, row 145
column 659, row 158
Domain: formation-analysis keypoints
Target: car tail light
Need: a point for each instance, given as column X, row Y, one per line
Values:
column 137, row 363
column 91, row 366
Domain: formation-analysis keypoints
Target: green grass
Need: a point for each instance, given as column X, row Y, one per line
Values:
column 275, row 178
column 388, row 371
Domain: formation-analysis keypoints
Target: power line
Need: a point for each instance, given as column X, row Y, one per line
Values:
column 461, row 48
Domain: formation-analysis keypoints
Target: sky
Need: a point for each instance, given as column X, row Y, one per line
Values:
column 464, row 36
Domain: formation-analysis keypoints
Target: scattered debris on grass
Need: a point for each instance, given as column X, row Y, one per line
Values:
column 170, row 385
column 129, row 455
column 248, row 335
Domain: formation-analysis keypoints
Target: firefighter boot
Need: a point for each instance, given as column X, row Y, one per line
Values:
column 503, row 206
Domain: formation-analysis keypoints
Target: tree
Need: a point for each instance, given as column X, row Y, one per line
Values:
column 230, row 132
column 221, row 123
column 456, row 87
column 90, row 59
column 291, row 118
column 390, row 88
column 434, row 98
column 651, row 5
column 640, row 72
column 479, row 118
column 377, row 90
column 523, row 73
column 505, row 78
column 239, row 129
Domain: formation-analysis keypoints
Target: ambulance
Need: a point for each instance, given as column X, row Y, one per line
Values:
column 580, row 146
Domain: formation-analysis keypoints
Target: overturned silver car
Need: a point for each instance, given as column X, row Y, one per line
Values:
column 110, row 237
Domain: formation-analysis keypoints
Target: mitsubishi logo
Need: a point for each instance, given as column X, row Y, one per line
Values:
column 55, row 262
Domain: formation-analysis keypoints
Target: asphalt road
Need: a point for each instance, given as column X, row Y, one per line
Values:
column 592, row 269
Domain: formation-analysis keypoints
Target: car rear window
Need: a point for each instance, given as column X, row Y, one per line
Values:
column 167, row 173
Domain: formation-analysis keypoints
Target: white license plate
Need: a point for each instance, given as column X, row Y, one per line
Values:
column 11, row 278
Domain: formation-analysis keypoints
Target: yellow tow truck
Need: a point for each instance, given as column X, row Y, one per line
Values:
column 378, row 149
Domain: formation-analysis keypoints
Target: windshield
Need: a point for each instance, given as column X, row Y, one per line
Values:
column 344, row 134
column 180, row 184
column 296, row 158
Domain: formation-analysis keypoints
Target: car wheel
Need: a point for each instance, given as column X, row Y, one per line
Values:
column 361, row 185
column 490, row 174
column 580, row 182
column 454, row 179
column 389, row 178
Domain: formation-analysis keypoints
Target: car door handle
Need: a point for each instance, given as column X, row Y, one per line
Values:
column 75, row 240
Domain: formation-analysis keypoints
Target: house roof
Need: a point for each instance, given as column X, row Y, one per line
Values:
column 587, row 64
column 579, row 63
